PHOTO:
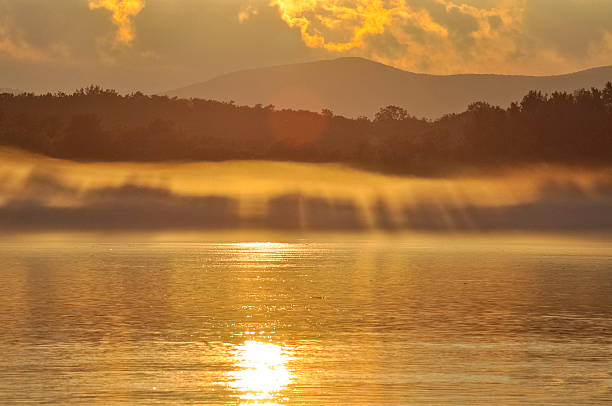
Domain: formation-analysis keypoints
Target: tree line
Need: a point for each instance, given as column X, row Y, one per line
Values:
column 95, row 124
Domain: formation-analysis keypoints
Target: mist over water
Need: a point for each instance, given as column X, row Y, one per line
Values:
column 43, row 194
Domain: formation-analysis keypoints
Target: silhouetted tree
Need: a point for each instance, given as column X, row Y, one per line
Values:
column 99, row 124
column 391, row 113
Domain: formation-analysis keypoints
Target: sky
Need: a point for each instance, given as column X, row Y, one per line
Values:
column 159, row 45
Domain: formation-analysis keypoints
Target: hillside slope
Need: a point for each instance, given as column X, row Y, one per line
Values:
column 356, row 86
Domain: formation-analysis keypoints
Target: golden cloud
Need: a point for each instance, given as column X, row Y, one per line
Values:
column 358, row 18
column 437, row 32
column 123, row 11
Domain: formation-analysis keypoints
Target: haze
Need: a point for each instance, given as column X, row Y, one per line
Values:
column 43, row 194
column 159, row 45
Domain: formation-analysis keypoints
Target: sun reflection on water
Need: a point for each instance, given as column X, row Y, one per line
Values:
column 261, row 372
column 261, row 247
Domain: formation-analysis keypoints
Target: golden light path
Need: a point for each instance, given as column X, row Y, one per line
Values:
column 261, row 373
column 263, row 246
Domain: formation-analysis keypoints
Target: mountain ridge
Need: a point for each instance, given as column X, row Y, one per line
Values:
column 353, row 86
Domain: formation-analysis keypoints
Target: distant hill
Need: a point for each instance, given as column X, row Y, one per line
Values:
column 356, row 86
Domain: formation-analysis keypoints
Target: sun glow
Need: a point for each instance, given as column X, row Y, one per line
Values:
column 261, row 373
column 262, row 245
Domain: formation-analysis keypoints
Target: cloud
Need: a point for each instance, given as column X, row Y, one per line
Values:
column 61, row 44
column 123, row 11
column 571, row 31
column 419, row 34
column 318, row 20
column 432, row 35
column 459, row 36
column 17, row 48
column 321, row 20
column 247, row 11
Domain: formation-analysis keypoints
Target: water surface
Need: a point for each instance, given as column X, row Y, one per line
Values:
column 306, row 321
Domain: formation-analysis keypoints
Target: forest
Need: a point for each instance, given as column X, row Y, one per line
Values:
column 96, row 124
